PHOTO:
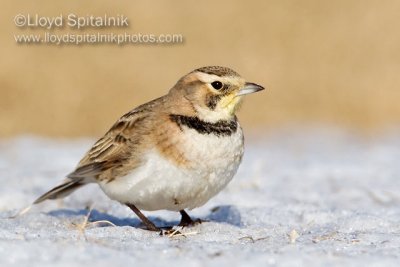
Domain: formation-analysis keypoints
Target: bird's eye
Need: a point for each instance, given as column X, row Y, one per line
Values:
column 217, row 85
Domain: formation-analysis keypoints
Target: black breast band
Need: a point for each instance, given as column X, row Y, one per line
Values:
column 219, row 128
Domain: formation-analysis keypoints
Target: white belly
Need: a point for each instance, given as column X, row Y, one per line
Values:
column 160, row 184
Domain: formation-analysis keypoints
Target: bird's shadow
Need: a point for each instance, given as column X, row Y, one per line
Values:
column 222, row 214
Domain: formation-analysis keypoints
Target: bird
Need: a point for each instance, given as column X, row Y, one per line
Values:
column 173, row 153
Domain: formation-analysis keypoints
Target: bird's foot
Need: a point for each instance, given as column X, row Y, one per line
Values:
column 186, row 221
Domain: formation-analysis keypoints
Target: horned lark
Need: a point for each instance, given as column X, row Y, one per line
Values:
column 173, row 153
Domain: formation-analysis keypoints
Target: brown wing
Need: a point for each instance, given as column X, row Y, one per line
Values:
column 115, row 143
column 113, row 154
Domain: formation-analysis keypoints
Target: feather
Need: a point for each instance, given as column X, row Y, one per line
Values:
column 61, row 191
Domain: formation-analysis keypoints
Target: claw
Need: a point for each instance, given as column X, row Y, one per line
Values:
column 170, row 232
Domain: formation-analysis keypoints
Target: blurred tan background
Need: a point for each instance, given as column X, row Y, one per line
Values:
column 323, row 62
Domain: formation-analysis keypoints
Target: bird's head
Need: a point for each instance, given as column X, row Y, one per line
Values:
column 214, row 92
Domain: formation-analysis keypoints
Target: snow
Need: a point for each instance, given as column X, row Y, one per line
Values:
column 303, row 197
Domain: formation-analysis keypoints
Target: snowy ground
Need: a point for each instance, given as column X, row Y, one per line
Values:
column 315, row 198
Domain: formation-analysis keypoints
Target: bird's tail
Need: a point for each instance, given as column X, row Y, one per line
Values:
column 61, row 191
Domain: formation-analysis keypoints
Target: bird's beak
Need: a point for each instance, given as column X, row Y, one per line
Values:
column 250, row 88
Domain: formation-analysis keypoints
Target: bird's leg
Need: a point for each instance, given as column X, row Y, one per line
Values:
column 186, row 220
column 149, row 225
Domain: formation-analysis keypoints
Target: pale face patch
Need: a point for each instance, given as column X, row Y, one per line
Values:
column 230, row 103
column 218, row 104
